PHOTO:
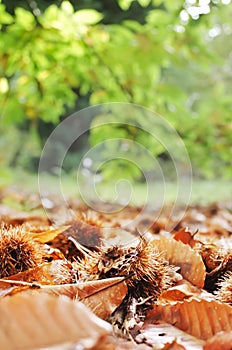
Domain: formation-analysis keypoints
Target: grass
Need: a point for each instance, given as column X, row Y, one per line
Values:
column 202, row 192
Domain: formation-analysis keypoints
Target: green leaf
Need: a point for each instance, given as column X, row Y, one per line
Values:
column 50, row 17
column 158, row 18
column 125, row 4
column 157, row 2
column 88, row 17
column 12, row 112
column 4, row 85
column 24, row 18
column 5, row 17
column 67, row 7
column 144, row 3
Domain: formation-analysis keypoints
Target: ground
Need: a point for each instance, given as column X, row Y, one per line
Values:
column 155, row 278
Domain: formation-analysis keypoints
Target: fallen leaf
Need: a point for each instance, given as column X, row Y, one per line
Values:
column 55, row 272
column 28, row 322
column 220, row 341
column 104, row 302
column 200, row 318
column 102, row 296
column 185, row 237
column 179, row 254
column 158, row 335
column 182, row 290
column 48, row 235
column 12, row 289
column 173, row 346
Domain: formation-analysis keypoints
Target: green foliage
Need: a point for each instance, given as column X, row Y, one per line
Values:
column 176, row 60
column 42, row 61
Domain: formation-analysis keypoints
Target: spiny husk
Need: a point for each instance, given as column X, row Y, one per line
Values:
column 92, row 218
column 87, row 235
column 18, row 251
column 147, row 273
column 213, row 278
column 211, row 255
column 224, row 294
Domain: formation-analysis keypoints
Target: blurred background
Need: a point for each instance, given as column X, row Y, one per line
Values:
column 173, row 57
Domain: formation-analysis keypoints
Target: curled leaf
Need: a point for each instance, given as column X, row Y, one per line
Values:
column 179, row 292
column 185, row 236
column 220, row 341
column 28, row 322
column 200, row 318
column 179, row 254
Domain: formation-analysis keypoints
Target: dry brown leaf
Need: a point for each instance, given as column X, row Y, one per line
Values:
column 28, row 322
column 220, row 341
column 117, row 235
column 102, row 297
column 200, row 318
column 55, row 272
column 158, row 335
column 21, row 218
column 12, row 289
column 173, row 346
column 179, row 254
column 182, row 290
column 48, row 235
column 185, row 237
column 105, row 301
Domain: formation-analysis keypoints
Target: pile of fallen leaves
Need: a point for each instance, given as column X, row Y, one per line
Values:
column 97, row 282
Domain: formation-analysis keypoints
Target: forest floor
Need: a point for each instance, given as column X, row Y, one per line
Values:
column 155, row 278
